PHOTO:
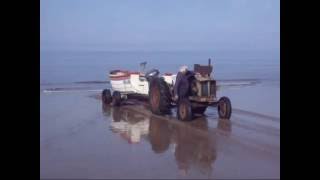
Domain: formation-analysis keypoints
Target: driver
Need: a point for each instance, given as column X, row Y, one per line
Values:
column 181, row 85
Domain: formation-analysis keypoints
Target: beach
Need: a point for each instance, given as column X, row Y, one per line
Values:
column 85, row 46
column 81, row 138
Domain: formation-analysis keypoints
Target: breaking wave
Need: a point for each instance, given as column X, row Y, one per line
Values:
column 92, row 82
column 98, row 85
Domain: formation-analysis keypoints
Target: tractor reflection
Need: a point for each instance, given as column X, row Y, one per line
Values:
column 193, row 143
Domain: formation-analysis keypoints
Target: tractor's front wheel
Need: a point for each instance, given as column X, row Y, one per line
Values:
column 224, row 108
column 184, row 110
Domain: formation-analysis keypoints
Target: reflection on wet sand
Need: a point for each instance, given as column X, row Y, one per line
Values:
column 193, row 146
column 129, row 125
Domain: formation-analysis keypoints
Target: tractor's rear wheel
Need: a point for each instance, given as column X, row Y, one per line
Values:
column 116, row 98
column 184, row 110
column 106, row 96
column 224, row 108
column 159, row 96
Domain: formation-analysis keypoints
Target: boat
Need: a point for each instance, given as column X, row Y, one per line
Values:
column 129, row 82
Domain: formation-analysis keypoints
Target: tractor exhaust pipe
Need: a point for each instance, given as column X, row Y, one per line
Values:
column 209, row 64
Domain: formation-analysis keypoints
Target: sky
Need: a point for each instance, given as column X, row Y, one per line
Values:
column 160, row 25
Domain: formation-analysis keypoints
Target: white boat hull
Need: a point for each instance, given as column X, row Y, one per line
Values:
column 127, row 83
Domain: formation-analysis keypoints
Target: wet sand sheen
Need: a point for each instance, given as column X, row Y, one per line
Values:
column 129, row 142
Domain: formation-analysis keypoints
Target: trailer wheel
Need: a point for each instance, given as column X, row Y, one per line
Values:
column 159, row 96
column 184, row 110
column 224, row 108
column 106, row 96
column 116, row 98
column 199, row 110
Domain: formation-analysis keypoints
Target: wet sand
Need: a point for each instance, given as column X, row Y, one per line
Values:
column 81, row 138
